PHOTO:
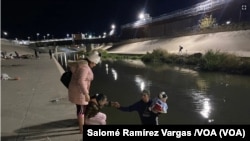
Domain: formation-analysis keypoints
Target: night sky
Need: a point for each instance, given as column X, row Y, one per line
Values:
column 23, row 18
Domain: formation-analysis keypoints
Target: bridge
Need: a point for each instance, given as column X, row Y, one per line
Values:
column 71, row 41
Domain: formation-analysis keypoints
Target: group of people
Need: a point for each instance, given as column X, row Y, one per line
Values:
column 88, row 108
column 148, row 109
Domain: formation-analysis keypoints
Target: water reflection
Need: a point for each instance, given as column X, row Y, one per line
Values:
column 200, row 100
column 114, row 73
column 142, row 83
column 202, row 103
column 186, row 71
column 107, row 68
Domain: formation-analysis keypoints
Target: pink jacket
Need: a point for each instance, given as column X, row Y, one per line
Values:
column 98, row 119
column 82, row 76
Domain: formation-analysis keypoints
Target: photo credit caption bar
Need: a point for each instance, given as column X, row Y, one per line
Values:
column 238, row 132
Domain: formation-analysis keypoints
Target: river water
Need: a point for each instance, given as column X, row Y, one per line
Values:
column 193, row 97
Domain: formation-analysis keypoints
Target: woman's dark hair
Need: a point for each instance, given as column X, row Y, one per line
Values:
column 99, row 96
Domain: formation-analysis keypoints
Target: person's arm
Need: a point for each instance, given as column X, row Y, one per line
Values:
column 82, row 74
column 130, row 108
column 109, row 104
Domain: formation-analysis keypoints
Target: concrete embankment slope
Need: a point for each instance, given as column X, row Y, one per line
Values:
column 9, row 46
column 236, row 42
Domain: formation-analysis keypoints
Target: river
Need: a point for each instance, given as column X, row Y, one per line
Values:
column 193, row 97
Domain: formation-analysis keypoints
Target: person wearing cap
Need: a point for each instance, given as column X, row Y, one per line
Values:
column 79, row 86
column 147, row 117
column 93, row 114
column 159, row 104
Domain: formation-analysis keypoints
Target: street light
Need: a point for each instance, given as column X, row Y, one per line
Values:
column 144, row 16
column 104, row 34
column 48, row 35
column 112, row 30
column 5, row 33
column 37, row 34
column 113, row 26
column 141, row 16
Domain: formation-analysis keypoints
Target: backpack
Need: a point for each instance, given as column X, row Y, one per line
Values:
column 65, row 78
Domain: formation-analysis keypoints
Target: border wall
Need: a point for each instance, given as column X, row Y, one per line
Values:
column 187, row 20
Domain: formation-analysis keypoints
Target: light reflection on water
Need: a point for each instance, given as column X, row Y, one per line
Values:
column 202, row 103
column 114, row 73
column 194, row 97
column 200, row 100
column 141, row 82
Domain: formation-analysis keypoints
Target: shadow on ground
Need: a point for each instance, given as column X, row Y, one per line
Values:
column 45, row 131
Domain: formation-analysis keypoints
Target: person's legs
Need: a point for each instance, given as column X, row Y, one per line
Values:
column 80, row 116
column 80, row 119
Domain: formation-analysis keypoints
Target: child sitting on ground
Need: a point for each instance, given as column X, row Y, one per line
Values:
column 93, row 114
column 159, row 104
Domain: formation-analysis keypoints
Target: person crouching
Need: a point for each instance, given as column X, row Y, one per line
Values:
column 93, row 116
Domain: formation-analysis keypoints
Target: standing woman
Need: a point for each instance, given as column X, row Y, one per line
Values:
column 79, row 86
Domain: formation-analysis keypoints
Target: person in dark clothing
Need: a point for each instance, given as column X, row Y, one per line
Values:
column 17, row 55
column 180, row 49
column 36, row 54
column 147, row 117
column 50, row 54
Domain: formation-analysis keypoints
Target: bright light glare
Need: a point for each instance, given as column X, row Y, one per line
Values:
column 107, row 68
column 140, row 82
column 111, row 32
column 141, row 16
column 228, row 22
column 115, row 75
column 206, row 108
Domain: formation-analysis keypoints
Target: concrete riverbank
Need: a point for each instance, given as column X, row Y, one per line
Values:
column 36, row 106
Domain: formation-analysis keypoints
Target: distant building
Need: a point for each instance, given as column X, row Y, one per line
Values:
column 77, row 36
